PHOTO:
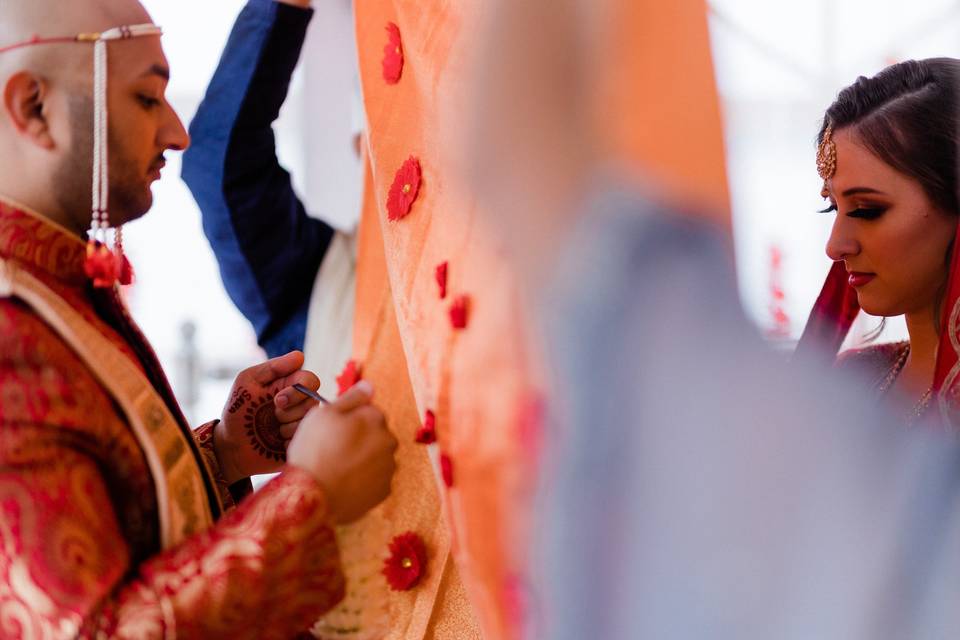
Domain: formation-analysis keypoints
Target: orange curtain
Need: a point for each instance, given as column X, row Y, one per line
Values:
column 658, row 114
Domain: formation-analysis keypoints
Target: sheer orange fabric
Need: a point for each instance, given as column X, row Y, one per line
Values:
column 481, row 381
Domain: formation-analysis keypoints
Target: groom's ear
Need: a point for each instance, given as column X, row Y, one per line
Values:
column 26, row 110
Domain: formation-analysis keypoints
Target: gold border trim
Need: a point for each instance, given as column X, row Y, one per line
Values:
column 182, row 500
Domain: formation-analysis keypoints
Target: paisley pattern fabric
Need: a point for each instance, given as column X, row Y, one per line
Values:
column 229, row 495
column 80, row 554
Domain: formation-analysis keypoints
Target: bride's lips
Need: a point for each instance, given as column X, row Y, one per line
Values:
column 859, row 278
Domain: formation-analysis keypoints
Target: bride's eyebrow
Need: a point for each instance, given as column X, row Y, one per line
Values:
column 859, row 190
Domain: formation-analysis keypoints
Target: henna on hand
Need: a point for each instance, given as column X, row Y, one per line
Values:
column 240, row 396
column 263, row 429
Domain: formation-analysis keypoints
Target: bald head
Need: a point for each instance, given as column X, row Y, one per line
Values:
column 22, row 19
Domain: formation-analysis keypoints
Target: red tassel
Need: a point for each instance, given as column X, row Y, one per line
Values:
column 126, row 271
column 101, row 265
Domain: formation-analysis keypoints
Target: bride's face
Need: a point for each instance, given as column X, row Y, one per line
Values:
column 893, row 240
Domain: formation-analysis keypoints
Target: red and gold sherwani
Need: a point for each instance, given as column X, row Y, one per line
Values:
column 88, row 547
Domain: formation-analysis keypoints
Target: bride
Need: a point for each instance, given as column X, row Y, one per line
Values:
column 888, row 157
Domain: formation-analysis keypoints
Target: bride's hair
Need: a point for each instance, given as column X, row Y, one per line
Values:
column 908, row 115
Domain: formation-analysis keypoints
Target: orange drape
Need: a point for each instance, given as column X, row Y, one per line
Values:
column 660, row 116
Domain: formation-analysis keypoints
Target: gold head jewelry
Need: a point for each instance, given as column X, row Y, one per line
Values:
column 827, row 155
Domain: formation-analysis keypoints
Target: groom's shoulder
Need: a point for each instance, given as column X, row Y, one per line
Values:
column 42, row 380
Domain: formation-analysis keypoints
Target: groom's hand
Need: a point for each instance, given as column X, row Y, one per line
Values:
column 261, row 416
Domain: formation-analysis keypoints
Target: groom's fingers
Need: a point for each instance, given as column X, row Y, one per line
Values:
column 358, row 395
column 289, row 397
column 276, row 368
column 295, row 412
column 289, row 429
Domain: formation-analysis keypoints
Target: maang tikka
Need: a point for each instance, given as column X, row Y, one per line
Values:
column 827, row 155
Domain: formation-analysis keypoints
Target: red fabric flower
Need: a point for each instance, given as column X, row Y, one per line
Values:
column 442, row 279
column 427, row 434
column 459, row 312
column 407, row 562
column 348, row 377
column 516, row 600
column 404, row 190
column 101, row 265
column 532, row 417
column 446, row 469
column 393, row 55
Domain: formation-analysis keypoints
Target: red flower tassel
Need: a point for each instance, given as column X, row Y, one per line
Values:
column 442, row 279
column 459, row 312
column 404, row 190
column 407, row 562
column 101, row 265
column 348, row 377
column 427, row 434
column 393, row 55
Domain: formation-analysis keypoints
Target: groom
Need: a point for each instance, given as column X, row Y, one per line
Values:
column 117, row 520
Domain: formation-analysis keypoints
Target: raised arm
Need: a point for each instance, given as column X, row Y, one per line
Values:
column 268, row 248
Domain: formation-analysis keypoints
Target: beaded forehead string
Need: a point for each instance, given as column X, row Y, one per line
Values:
column 105, row 267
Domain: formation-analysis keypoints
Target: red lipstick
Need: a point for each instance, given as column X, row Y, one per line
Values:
column 860, row 279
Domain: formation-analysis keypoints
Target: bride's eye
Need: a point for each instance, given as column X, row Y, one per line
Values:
column 867, row 213
column 830, row 209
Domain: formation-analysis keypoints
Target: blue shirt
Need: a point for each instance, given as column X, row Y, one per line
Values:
column 268, row 249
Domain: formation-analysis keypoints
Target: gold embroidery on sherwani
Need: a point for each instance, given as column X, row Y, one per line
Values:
column 80, row 551
column 181, row 496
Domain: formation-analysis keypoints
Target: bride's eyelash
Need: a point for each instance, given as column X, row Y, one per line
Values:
column 864, row 213
column 867, row 213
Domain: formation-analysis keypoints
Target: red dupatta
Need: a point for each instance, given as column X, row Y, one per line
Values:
column 946, row 377
column 837, row 307
column 832, row 316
